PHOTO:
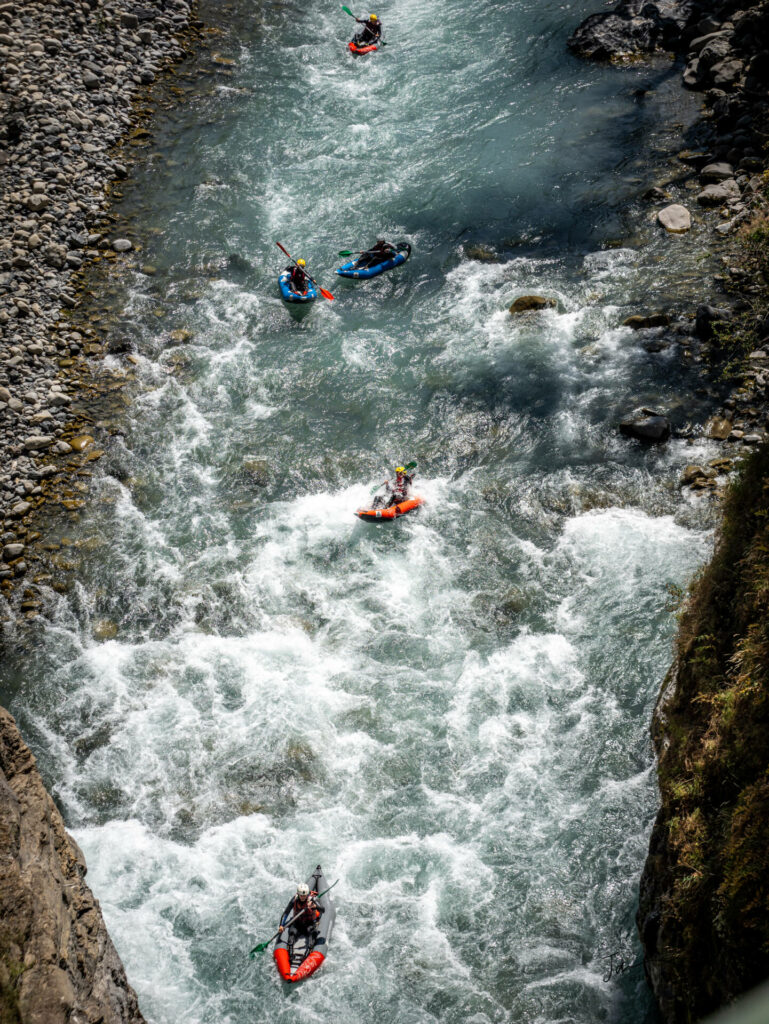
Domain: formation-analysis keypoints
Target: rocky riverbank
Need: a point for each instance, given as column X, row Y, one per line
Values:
column 70, row 74
column 722, row 50
column 703, row 907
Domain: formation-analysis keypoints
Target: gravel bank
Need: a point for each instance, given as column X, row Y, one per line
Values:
column 69, row 75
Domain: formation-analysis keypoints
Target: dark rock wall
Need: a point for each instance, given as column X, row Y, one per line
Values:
column 57, row 962
column 704, row 902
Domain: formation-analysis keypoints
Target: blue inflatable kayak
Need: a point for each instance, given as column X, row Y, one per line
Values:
column 291, row 296
column 352, row 269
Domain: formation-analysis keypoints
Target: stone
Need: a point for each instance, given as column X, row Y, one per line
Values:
column 651, row 429
column 694, row 472
column 258, row 470
column 12, row 551
column 81, row 442
column 716, row 172
column 717, row 195
column 638, row 322
column 21, row 508
column 37, row 202
column 122, row 245
column 481, row 254
column 726, row 72
column 707, row 320
column 180, row 336
column 675, row 218
column 531, row 302
column 36, row 442
column 105, row 629
column 752, row 439
column 90, row 80
column 718, row 428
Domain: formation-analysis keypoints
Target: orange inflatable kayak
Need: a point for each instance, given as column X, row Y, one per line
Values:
column 379, row 515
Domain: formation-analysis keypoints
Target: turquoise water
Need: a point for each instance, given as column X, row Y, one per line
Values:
column 450, row 713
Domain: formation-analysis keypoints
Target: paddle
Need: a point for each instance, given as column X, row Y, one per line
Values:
column 263, row 945
column 409, row 465
column 380, row 42
column 323, row 292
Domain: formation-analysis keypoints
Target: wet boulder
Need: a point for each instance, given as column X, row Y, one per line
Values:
column 529, row 302
column 717, row 195
column 675, row 218
column 716, row 172
column 647, row 425
column 639, row 322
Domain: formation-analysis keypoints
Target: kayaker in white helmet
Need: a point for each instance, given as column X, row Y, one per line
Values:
column 302, row 903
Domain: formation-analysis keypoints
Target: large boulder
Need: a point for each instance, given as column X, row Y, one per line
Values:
column 633, row 26
column 646, row 425
column 716, row 172
column 675, row 218
column 717, row 195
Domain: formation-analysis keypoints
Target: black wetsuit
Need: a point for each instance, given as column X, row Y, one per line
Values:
column 377, row 254
column 297, row 278
column 370, row 33
column 307, row 922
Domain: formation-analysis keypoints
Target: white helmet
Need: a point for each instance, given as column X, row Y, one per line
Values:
column 303, row 890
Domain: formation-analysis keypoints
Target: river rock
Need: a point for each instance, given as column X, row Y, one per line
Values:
column 708, row 318
column 717, row 195
column 258, row 471
column 638, row 322
column 12, row 551
column 716, row 172
column 531, row 302
column 718, row 428
column 675, row 218
column 647, row 426
column 81, row 443
column 37, row 441
column 725, row 73
column 122, row 245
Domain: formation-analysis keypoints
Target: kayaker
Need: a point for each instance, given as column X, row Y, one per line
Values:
column 399, row 489
column 303, row 901
column 371, row 31
column 297, row 278
column 378, row 253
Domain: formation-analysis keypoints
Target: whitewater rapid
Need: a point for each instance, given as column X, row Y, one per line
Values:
column 450, row 714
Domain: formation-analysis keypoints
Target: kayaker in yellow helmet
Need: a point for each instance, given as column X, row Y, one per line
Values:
column 297, row 277
column 371, row 31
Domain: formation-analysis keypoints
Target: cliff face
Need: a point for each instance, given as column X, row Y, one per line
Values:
column 704, row 904
column 57, row 962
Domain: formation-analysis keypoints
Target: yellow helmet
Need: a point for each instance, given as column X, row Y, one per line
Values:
column 300, row 263
column 400, row 469
column 372, row 17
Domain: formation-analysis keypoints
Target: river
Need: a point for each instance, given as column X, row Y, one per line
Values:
column 451, row 712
